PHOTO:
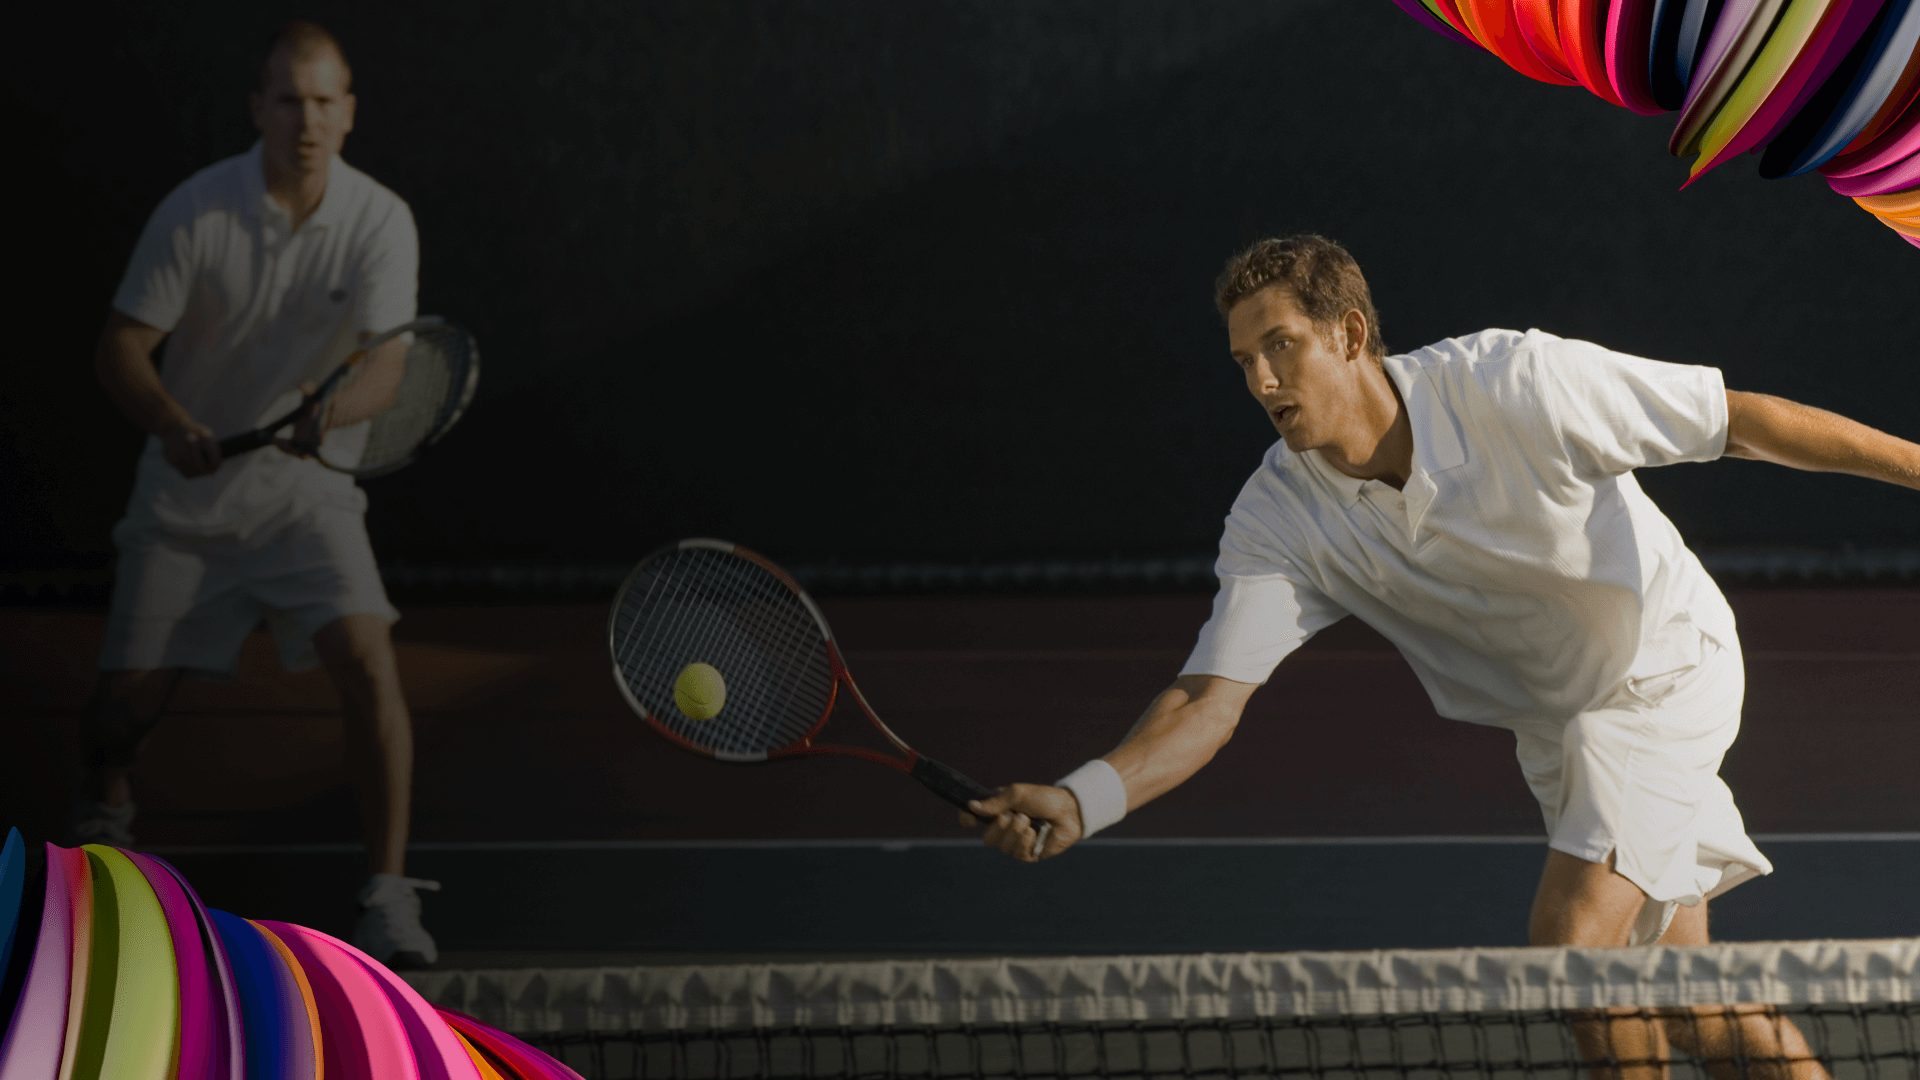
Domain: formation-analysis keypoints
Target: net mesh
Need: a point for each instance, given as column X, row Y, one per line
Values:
column 704, row 605
column 435, row 385
column 1845, row 1009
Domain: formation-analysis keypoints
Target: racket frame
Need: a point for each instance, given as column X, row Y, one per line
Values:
column 246, row 441
column 943, row 780
column 800, row 747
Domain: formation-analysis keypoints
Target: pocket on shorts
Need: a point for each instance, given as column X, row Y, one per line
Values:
column 1675, row 652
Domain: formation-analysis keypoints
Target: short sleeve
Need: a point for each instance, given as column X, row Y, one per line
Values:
column 389, row 277
column 1617, row 412
column 159, row 277
column 1265, row 609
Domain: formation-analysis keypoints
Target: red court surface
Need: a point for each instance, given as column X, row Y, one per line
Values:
column 522, row 736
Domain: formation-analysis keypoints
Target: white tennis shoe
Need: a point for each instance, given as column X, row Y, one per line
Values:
column 98, row 823
column 389, row 929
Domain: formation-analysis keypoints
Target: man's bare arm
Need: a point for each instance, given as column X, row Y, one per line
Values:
column 1180, row 732
column 1766, row 428
column 375, row 388
column 123, row 363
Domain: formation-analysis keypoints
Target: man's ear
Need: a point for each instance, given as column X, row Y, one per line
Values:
column 1354, row 326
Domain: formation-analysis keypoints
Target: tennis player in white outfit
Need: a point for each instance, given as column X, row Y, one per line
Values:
column 259, row 273
column 1474, row 501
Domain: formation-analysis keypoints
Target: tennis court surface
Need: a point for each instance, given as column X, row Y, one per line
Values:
column 643, row 912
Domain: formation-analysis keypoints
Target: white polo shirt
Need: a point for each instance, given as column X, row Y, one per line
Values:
column 252, row 309
column 1522, row 572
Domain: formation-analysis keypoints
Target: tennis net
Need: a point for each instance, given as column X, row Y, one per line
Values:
column 1749, row 1010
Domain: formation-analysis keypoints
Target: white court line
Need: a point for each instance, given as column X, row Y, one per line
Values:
column 478, row 846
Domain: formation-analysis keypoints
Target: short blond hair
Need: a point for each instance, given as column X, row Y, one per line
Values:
column 302, row 39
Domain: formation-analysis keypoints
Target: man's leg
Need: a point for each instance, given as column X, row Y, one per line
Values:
column 1587, row 903
column 125, row 708
column 1772, row 1046
column 1590, row 904
column 358, row 653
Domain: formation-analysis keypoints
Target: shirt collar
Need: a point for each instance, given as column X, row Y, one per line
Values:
column 1436, row 445
column 1347, row 487
column 333, row 201
column 253, row 185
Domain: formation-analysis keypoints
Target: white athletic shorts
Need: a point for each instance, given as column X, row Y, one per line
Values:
column 190, row 602
column 1638, row 778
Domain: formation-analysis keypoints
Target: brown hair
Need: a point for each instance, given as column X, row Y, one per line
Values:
column 302, row 39
column 1325, row 281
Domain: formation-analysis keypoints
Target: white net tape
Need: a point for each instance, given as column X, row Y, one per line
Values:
column 1207, row 986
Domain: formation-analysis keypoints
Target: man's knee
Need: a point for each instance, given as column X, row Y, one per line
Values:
column 358, row 653
column 1689, row 926
column 1583, row 903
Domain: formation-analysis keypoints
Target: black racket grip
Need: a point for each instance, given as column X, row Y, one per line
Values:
column 243, row 442
column 948, row 783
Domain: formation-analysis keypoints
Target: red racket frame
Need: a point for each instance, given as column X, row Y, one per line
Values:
column 804, row 745
column 943, row 780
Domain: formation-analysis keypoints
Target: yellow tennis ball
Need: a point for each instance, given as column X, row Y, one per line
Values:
column 700, row 691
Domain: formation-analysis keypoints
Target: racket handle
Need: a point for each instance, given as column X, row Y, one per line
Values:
column 958, row 789
column 948, row 783
column 243, row 442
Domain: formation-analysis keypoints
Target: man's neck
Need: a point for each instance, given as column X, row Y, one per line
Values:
column 298, row 193
column 1379, row 443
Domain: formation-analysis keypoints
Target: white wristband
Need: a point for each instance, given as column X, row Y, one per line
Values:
column 1101, row 794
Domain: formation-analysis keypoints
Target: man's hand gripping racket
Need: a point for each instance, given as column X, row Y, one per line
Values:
column 372, row 415
column 724, row 654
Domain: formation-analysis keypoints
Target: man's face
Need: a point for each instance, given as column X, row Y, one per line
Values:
column 303, row 110
column 1305, row 382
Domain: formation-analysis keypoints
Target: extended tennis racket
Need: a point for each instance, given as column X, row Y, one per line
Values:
column 779, row 671
column 376, row 419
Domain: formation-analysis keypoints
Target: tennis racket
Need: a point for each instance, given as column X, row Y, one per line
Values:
column 431, row 392
column 714, row 603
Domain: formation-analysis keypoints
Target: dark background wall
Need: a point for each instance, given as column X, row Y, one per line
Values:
column 873, row 279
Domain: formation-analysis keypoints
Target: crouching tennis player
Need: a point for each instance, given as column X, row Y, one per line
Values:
column 1474, row 501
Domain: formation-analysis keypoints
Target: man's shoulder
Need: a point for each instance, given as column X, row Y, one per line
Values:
column 1283, row 477
column 367, row 200
column 229, row 177
column 1498, row 364
column 1487, row 349
column 219, row 186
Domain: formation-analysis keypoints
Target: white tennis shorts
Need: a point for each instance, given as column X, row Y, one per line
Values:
column 190, row 602
column 1638, row 778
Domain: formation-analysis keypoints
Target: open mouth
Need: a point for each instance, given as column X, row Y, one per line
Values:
column 1282, row 414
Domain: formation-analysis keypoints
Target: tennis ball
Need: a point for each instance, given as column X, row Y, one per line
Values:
column 700, row 691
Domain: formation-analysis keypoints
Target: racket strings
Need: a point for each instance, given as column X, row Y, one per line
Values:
column 433, row 387
column 792, row 638
column 714, row 607
column 763, row 652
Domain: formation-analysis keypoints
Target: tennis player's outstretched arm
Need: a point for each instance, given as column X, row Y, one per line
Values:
column 1802, row 437
column 1181, row 731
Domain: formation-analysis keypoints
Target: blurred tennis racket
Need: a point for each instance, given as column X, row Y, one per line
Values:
column 711, row 602
column 427, row 398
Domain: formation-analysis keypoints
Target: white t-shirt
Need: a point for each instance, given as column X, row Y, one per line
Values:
column 252, row 309
column 1522, row 572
